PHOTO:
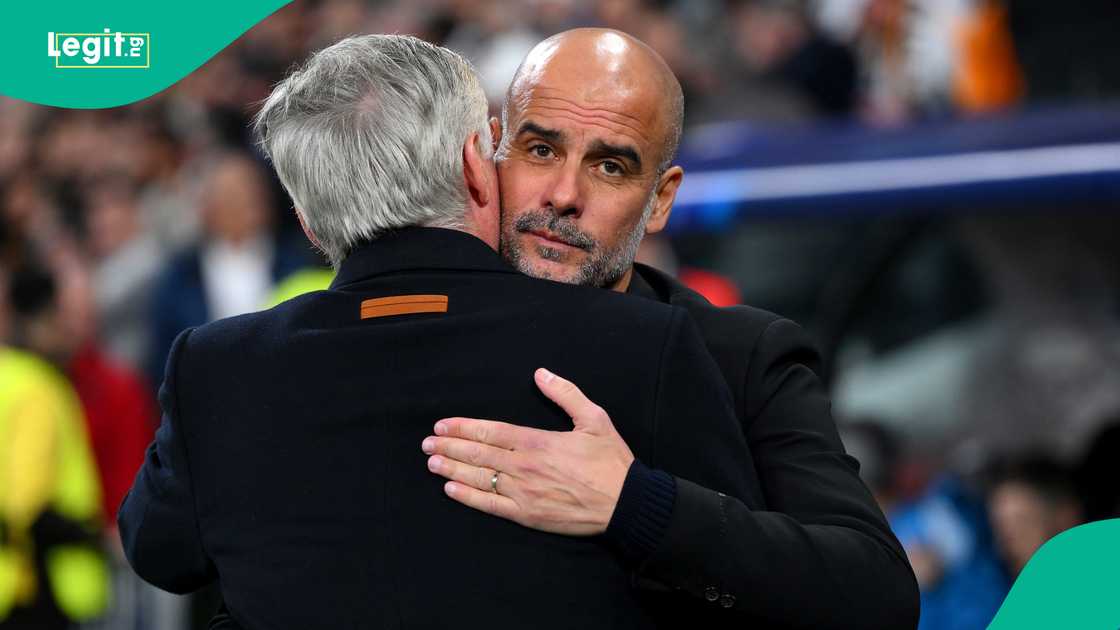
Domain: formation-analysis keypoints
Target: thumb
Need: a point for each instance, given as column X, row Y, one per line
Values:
column 585, row 414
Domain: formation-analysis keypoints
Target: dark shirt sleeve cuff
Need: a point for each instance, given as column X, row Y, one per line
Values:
column 642, row 515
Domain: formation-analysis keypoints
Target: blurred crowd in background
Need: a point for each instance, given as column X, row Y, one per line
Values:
column 119, row 228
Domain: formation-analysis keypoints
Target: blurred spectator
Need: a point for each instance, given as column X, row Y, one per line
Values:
column 25, row 208
column 987, row 76
column 50, row 499
column 59, row 325
column 39, row 323
column 119, row 414
column 777, row 41
column 495, row 39
column 163, row 197
column 125, row 260
column 923, row 57
column 943, row 529
column 1032, row 499
column 894, row 75
column 267, row 50
column 16, row 121
column 233, row 270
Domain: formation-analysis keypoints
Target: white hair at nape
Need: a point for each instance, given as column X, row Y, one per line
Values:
column 367, row 137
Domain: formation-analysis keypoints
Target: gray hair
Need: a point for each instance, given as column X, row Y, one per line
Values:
column 367, row 137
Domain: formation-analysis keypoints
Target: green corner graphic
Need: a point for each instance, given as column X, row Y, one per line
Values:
column 137, row 49
column 1070, row 583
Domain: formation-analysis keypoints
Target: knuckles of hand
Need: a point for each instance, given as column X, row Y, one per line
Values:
column 598, row 415
column 482, row 434
column 474, row 455
column 493, row 505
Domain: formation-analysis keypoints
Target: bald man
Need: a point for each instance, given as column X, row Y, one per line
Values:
column 589, row 129
column 590, row 125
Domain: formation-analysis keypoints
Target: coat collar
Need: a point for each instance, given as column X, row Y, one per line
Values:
column 650, row 283
column 658, row 285
column 418, row 248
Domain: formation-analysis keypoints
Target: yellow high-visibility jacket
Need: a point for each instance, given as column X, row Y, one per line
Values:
column 46, row 463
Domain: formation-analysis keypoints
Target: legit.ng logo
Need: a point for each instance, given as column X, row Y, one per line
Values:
column 104, row 50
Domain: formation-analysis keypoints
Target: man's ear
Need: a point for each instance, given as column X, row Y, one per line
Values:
column 666, row 193
column 307, row 230
column 479, row 173
column 495, row 133
column 481, row 177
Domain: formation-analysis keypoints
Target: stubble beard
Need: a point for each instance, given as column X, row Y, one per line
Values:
column 602, row 268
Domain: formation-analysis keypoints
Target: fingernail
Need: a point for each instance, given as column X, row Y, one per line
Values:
column 434, row 462
column 546, row 376
column 449, row 488
column 441, row 428
column 429, row 445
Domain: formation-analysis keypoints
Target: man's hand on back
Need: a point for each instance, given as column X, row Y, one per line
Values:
column 554, row 481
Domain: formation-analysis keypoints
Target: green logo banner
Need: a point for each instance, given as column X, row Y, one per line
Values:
column 82, row 54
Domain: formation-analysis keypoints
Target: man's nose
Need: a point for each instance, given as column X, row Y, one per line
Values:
column 565, row 197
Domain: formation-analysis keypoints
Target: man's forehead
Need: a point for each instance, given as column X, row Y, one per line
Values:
column 590, row 111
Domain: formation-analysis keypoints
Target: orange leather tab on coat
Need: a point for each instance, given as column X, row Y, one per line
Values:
column 403, row 305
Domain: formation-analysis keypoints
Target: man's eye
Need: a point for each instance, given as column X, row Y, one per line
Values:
column 540, row 150
column 610, row 168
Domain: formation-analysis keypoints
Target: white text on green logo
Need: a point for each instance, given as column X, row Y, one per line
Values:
column 100, row 50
